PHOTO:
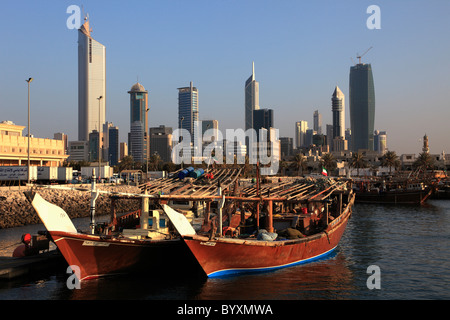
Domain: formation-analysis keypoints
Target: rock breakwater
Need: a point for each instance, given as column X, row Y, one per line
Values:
column 16, row 211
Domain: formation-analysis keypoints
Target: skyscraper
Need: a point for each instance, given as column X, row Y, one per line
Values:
column 251, row 98
column 91, row 83
column 161, row 142
column 188, row 108
column 113, row 145
column 338, row 110
column 262, row 118
column 317, row 123
column 300, row 133
column 139, row 113
column 362, row 106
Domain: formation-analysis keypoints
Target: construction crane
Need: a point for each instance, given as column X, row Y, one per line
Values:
column 360, row 56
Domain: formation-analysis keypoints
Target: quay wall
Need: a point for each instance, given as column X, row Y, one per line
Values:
column 16, row 211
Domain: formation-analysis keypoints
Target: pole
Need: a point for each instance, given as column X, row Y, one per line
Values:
column 94, row 196
column 99, row 123
column 29, row 80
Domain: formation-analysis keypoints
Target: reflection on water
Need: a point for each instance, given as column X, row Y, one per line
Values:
column 409, row 244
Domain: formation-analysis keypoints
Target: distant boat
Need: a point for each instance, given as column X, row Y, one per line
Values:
column 377, row 192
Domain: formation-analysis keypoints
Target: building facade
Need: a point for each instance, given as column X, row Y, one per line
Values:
column 262, row 118
column 338, row 110
column 91, row 83
column 251, row 98
column 78, row 151
column 300, row 133
column 113, row 145
column 14, row 148
column 139, row 113
column 317, row 122
column 362, row 106
column 161, row 142
column 188, row 108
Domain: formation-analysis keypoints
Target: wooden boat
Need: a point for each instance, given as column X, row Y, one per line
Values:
column 135, row 241
column 312, row 220
column 405, row 192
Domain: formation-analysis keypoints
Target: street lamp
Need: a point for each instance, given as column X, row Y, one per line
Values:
column 181, row 138
column 147, row 143
column 99, row 155
column 29, row 80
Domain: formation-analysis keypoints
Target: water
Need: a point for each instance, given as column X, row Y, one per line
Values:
column 410, row 245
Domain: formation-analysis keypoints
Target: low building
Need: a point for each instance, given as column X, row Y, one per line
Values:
column 14, row 148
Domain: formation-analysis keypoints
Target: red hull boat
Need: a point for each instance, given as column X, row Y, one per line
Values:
column 97, row 256
column 223, row 256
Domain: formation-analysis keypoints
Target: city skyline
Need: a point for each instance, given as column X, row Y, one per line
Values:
column 296, row 53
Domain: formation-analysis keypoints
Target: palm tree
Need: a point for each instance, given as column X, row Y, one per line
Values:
column 300, row 162
column 328, row 162
column 127, row 163
column 358, row 161
column 424, row 161
column 390, row 159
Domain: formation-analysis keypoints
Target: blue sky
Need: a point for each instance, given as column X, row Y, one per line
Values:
column 301, row 50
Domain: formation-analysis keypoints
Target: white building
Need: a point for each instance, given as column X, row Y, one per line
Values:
column 300, row 133
column 251, row 99
column 91, row 83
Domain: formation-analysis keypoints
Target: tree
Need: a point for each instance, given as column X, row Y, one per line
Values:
column 358, row 161
column 424, row 161
column 300, row 163
column 127, row 163
column 390, row 159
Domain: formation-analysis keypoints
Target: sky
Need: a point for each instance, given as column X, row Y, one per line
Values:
column 301, row 51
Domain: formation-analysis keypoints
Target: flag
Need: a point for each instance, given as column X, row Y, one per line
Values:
column 324, row 171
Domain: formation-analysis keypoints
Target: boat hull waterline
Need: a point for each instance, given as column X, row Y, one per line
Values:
column 225, row 256
column 96, row 257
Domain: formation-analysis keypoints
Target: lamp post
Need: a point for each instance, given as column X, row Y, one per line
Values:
column 147, row 143
column 29, row 80
column 99, row 124
column 181, row 138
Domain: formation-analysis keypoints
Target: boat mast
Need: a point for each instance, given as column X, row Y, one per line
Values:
column 94, row 196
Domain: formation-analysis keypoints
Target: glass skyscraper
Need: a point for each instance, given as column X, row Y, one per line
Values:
column 91, row 83
column 338, row 110
column 362, row 106
column 188, row 108
column 138, row 114
column 251, row 99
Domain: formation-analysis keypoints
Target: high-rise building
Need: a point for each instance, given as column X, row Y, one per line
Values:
column 362, row 106
column 262, row 118
column 136, row 141
column 317, row 117
column 300, row 133
column 113, row 145
column 95, row 138
column 123, row 150
column 212, row 125
column 286, row 145
column 139, row 113
column 91, row 83
column 329, row 131
column 188, row 108
column 251, row 98
column 161, row 142
column 338, row 110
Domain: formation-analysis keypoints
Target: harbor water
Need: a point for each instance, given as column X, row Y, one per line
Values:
column 407, row 246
